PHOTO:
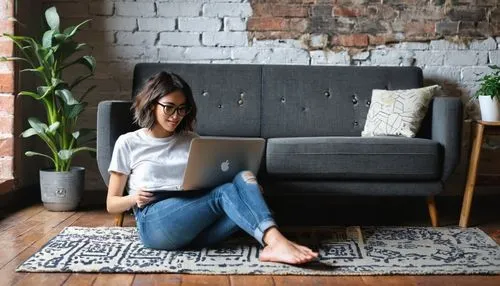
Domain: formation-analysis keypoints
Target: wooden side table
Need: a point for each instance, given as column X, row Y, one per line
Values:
column 481, row 128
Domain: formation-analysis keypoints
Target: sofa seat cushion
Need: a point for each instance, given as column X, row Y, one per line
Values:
column 382, row 157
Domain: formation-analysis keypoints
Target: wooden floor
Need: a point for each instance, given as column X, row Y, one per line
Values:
column 24, row 230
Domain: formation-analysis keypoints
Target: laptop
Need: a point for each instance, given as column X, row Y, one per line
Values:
column 213, row 161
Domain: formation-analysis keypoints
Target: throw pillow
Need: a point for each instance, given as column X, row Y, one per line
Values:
column 398, row 112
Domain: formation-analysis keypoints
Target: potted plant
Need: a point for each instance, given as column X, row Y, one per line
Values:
column 61, row 185
column 489, row 95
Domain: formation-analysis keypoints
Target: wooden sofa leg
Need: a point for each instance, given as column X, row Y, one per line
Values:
column 431, row 204
column 119, row 219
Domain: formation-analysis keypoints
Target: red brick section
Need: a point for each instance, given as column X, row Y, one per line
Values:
column 6, row 100
column 360, row 23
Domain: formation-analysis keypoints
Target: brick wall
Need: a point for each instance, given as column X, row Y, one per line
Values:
column 6, row 101
column 306, row 32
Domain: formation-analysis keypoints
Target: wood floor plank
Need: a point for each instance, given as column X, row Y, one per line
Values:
column 462, row 280
column 254, row 280
column 289, row 280
column 80, row 279
column 43, row 279
column 113, row 279
column 220, row 280
column 8, row 220
column 7, row 272
column 11, row 246
column 399, row 280
column 157, row 279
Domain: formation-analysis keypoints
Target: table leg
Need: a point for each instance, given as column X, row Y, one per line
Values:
column 471, row 176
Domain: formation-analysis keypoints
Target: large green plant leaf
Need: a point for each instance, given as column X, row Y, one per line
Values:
column 73, row 111
column 31, row 153
column 29, row 93
column 70, row 31
column 52, row 18
column 29, row 132
column 53, row 128
column 66, row 154
column 84, row 135
column 36, row 124
column 44, row 91
column 66, row 96
column 47, row 38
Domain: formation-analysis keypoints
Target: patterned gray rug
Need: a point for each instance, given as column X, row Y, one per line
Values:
column 343, row 251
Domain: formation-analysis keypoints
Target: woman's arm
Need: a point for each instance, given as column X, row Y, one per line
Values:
column 115, row 201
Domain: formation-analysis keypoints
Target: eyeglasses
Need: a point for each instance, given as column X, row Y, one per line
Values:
column 169, row 109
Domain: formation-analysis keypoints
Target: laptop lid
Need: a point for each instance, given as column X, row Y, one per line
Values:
column 213, row 161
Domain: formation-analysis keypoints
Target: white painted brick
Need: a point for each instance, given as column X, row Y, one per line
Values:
column 392, row 57
column 199, row 24
column 113, row 24
column 93, row 37
column 107, row 53
column 167, row 9
column 329, row 58
column 472, row 74
column 284, row 56
column 227, row 39
column 207, row 53
column 180, row 39
column 101, row 8
column 446, row 45
column 172, row 54
column 318, row 40
column 412, row 46
column 156, row 24
column 465, row 58
column 136, row 38
column 431, row 58
column 141, row 9
column 441, row 74
column 215, row 1
column 488, row 44
column 361, row 56
column 227, row 9
column 288, row 43
column 246, row 54
column 235, row 24
column 494, row 57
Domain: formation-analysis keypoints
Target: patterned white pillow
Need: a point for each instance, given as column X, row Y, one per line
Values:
column 398, row 112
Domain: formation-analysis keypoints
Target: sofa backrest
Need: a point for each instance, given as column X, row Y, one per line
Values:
column 325, row 100
column 284, row 100
column 227, row 96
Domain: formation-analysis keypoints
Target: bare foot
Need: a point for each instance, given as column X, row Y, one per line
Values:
column 284, row 250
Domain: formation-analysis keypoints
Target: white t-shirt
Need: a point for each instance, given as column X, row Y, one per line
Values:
column 151, row 163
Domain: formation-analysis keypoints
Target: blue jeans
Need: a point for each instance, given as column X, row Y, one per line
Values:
column 205, row 219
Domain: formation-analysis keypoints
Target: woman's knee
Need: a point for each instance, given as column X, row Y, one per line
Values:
column 246, row 176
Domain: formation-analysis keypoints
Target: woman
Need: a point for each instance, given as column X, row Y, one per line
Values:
column 154, row 158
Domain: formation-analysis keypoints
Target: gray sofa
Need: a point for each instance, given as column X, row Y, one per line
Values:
column 312, row 118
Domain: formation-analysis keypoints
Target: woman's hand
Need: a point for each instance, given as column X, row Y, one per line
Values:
column 143, row 198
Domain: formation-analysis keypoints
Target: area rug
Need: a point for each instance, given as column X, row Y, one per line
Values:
column 343, row 251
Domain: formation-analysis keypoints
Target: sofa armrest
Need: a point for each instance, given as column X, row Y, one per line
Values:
column 114, row 118
column 447, row 121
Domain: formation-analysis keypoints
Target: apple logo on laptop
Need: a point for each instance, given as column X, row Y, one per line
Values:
column 224, row 166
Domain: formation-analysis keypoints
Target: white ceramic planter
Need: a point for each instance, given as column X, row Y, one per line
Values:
column 490, row 109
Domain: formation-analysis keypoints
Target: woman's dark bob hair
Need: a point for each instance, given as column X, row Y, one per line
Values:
column 155, row 88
